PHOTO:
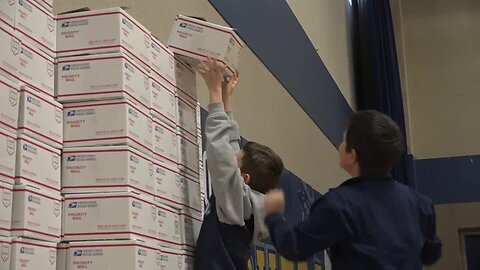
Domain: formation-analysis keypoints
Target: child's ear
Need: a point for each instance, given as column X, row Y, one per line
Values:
column 353, row 156
column 246, row 178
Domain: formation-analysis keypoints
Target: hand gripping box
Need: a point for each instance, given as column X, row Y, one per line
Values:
column 164, row 101
column 9, row 104
column 167, row 184
column 198, row 40
column 36, row 214
column 37, row 25
column 6, row 195
column 102, row 31
column 62, row 252
column 40, row 117
column 106, row 169
column 36, row 69
column 5, row 252
column 163, row 62
column 165, row 144
column 103, row 76
column 107, row 216
column 168, row 230
column 190, row 225
column 28, row 254
column 8, row 150
column 118, row 255
column 38, row 164
column 112, row 122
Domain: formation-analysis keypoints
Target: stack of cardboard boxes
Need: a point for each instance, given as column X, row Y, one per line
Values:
column 31, row 134
column 125, row 193
column 124, row 184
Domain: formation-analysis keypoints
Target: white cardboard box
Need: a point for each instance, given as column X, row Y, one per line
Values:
column 9, row 103
column 186, row 81
column 118, row 255
column 37, row 164
column 189, row 155
column 198, row 40
column 188, row 259
column 37, row 214
column 6, row 193
column 36, row 69
column 62, row 251
column 106, row 169
column 40, row 117
column 187, row 117
column 47, row 4
column 168, row 230
column 36, row 25
column 164, row 101
column 7, row 12
column 30, row 254
column 172, row 259
column 167, row 184
column 9, row 51
column 104, row 76
column 5, row 252
column 101, row 31
column 190, row 193
column 8, row 150
column 114, row 122
column 121, row 215
column 165, row 144
column 191, row 229
column 163, row 63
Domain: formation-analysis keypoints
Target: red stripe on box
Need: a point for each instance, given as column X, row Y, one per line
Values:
column 34, row 231
column 38, row 183
column 36, row 193
column 44, row 136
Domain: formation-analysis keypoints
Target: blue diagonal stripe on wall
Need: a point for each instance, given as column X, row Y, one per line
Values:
column 449, row 180
column 273, row 33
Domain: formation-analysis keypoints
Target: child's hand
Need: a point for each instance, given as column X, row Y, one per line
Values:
column 274, row 202
column 229, row 86
column 212, row 73
column 227, row 91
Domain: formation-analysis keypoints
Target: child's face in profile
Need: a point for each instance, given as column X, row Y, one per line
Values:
column 342, row 153
column 348, row 159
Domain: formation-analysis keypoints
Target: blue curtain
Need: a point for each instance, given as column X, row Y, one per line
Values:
column 377, row 79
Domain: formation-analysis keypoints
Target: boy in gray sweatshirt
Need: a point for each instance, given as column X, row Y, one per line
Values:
column 234, row 219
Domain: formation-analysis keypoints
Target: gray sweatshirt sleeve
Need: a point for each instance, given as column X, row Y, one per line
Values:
column 235, row 201
column 234, row 133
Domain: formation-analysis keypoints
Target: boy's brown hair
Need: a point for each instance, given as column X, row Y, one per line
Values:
column 263, row 165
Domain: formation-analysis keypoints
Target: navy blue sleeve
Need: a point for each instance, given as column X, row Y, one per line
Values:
column 432, row 247
column 325, row 226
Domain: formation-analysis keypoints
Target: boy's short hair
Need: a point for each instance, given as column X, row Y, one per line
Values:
column 263, row 165
column 377, row 139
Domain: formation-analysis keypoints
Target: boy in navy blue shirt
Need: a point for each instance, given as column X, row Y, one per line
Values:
column 370, row 221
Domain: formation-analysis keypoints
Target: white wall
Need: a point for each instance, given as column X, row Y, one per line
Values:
column 437, row 43
column 326, row 24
